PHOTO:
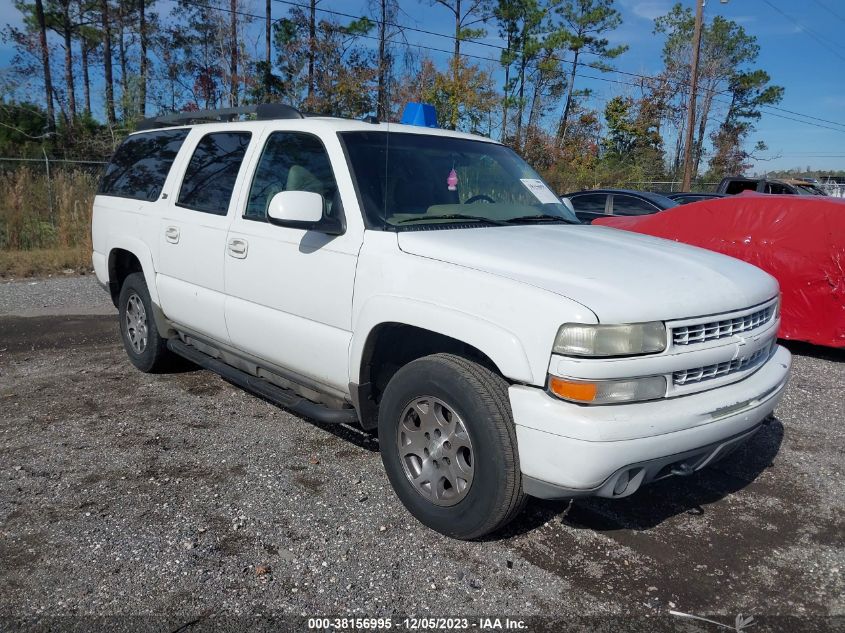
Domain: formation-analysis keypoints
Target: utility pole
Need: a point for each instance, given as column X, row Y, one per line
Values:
column 233, row 61
column 312, row 48
column 268, row 42
column 696, row 49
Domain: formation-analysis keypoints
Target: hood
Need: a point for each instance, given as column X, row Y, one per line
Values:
column 622, row 277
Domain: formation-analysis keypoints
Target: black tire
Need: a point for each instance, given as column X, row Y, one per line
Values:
column 479, row 397
column 154, row 356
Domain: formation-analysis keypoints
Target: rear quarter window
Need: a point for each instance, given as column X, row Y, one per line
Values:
column 140, row 165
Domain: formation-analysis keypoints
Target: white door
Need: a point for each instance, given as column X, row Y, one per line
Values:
column 289, row 293
column 193, row 230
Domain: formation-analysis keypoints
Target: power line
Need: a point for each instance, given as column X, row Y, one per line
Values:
column 821, row 40
column 676, row 82
column 498, row 47
column 807, row 116
column 829, row 10
column 534, row 67
column 502, row 48
column 800, row 155
column 819, row 125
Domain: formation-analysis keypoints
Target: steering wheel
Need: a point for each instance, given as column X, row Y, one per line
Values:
column 480, row 196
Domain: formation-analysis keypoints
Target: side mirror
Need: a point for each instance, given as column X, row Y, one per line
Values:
column 298, row 207
column 302, row 210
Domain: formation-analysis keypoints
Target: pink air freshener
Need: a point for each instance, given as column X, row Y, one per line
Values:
column 452, row 181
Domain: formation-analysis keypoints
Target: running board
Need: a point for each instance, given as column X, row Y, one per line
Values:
column 282, row 397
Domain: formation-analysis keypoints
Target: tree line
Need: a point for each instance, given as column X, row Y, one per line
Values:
column 86, row 71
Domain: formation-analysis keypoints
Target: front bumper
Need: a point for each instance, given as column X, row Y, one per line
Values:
column 568, row 450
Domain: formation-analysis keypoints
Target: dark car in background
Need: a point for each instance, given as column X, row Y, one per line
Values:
column 590, row 204
column 733, row 185
column 685, row 197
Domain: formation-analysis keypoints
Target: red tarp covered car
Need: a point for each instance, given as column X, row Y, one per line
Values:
column 799, row 240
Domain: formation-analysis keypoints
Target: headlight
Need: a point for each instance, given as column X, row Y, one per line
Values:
column 575, row 339
column 608, row 391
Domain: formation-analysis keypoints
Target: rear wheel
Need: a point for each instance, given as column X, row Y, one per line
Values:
column 145, row 347
column 449, row 445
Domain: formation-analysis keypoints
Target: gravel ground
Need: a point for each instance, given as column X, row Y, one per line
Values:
column 183, row 499
column 54, row 296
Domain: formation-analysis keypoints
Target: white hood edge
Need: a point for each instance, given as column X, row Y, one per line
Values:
column 622, row 277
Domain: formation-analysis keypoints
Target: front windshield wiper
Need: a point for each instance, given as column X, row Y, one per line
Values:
column 454, row 216
column 543, row 217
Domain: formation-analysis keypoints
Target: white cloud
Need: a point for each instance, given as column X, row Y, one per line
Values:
column 649, row 9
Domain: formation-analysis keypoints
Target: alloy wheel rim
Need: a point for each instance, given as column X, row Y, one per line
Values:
column 136, row 323
column 436, row 451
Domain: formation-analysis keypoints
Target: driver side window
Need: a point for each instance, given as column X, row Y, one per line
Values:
column 292, row 161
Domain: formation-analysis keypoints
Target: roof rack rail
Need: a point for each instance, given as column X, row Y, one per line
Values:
column 262, row 111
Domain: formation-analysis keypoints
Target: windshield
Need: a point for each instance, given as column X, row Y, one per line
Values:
column 809, row 190
column 406, row 180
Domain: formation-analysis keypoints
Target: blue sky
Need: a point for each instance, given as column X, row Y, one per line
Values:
column 802, row 51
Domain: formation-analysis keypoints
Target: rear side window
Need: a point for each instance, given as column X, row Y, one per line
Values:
column 589, row 202
column 140, row 165
column 211, row 174
column 629, row 205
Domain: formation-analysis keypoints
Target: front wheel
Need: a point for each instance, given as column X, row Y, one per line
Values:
column 448, row 445
column 145, row 347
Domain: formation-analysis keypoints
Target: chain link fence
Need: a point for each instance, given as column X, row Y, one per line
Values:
column 45, row 203
column 669, row 186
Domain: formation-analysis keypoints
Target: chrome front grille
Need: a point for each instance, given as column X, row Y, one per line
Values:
column 717, row 370
column 713, row 330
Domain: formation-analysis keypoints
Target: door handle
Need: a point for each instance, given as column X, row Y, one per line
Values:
column 171, row 234
column 237, row 248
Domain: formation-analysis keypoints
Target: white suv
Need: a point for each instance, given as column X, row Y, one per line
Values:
column 429, row 284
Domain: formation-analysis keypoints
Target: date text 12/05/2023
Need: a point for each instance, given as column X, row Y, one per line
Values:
column 416, row 624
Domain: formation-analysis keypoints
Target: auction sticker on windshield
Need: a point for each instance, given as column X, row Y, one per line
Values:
column 540, row 190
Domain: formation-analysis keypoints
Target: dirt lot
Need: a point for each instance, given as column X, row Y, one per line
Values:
column 183, row 499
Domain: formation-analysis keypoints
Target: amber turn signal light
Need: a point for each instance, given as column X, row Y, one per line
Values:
column 573, row 389
column 608, row 391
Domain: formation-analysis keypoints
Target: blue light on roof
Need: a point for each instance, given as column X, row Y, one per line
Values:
column 422, row 114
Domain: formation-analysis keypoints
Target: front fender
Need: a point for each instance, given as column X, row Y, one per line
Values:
column 500, row 345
